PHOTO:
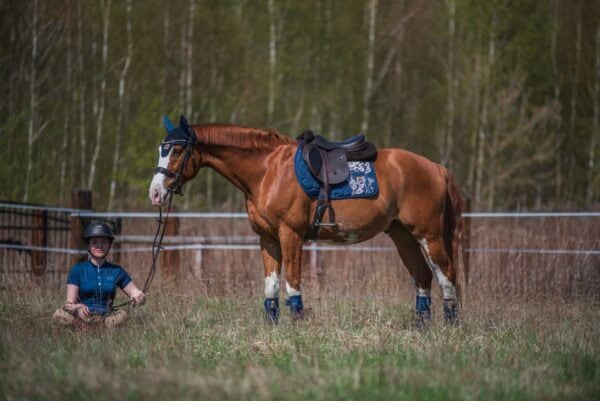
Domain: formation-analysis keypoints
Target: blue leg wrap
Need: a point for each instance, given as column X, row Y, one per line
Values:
column 450, row 312
column 272, row 310
column 423, row 309
column 296, row 305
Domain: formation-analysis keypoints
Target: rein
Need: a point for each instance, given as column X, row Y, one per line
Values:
column 156, row 247
column 174, row 189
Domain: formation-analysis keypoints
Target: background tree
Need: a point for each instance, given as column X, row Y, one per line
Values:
column 503, row 93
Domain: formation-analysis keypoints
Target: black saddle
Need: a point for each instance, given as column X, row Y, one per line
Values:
column 328, row 162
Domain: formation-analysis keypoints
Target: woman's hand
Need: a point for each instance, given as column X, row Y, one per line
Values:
column 80, row 310
column 138, row 298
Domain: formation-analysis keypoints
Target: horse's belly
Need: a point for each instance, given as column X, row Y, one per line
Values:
column 340, row 235
column 356, row 221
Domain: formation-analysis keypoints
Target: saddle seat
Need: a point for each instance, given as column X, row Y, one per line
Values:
column 349, row 144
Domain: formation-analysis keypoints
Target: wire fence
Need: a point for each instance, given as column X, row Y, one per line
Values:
column 509, row 253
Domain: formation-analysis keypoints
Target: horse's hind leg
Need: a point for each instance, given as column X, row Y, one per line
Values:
column 410, row 252
column 291, row 249
column 271, row 254
column 439, row 262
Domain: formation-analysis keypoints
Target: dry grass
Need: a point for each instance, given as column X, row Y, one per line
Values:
column 530, row 329
column 183, row 346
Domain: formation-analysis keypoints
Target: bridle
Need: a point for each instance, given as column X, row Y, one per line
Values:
column 189, row 142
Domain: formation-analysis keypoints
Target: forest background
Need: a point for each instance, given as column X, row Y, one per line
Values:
column 506, row 94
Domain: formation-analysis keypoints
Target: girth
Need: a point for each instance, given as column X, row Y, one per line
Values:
column 328, row 163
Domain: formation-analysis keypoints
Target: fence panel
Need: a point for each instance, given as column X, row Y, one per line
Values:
column 525, row 256
column 29, row 231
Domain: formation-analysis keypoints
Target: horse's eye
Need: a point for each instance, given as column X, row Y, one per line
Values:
column 176, row 152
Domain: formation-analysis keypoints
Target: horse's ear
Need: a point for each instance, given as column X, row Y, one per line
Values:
column 168, row 124
column 183, row 123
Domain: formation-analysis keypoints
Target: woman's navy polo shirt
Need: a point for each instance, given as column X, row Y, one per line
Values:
column 97, row 285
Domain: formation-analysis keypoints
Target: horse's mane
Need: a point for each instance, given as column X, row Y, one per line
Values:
column 239, row 136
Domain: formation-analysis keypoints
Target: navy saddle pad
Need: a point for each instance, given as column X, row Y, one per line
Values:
column 362, row 182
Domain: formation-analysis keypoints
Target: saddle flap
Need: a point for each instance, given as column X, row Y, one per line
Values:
column 329, row 166
column 337, row 166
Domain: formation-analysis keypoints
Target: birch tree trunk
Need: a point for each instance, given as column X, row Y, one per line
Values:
column 189, row 57
column 167, row 54
column 476, row 89
column 187, row 80
column 122, row 106
column 32, row 98
column 182, row 73
column 557, row 90
column 272, row 60
column 452, row 84
column 81, row 96
column 372, row 17
column 483, row 123
column 573, row 116
column 100, row 117
column 590, row 193
column 69, row 108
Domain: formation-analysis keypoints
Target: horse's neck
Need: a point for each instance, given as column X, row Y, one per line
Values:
column 243, row 166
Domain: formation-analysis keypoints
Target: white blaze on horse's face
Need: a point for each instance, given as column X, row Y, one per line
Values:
column 158, row 191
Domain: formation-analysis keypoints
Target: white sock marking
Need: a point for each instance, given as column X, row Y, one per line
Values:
column 291, row 291
column 447, row 287
column 422, row 292
column 272, row 285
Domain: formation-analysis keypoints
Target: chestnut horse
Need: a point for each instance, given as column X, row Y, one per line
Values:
column 418, row 206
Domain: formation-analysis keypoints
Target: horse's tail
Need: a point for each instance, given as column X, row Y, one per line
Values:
column 453, row 209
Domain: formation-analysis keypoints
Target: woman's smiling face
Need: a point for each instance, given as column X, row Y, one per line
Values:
column 98, row 246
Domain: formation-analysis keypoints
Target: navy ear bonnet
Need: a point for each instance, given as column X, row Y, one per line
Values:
column 182, row 135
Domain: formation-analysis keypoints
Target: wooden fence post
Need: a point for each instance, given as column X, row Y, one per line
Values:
column 116, row 246
column 39, row 238
column 314, row 266
column 466, row 245
column 169, row 260
column 80, row 199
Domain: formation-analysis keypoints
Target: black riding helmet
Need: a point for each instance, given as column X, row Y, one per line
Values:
column 98, row 229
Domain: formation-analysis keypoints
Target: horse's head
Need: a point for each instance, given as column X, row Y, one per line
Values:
column 176, row 161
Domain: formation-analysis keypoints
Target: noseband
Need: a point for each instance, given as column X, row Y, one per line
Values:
column 189, row 142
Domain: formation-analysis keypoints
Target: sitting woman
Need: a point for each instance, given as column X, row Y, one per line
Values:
column 91, row 285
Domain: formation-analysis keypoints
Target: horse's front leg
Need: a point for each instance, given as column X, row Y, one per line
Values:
column 271, row 254
column 291, row 249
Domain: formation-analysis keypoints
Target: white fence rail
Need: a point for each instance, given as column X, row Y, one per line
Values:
column 251, row 242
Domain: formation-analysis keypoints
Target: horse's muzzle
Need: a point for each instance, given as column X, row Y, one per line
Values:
column 158, row 197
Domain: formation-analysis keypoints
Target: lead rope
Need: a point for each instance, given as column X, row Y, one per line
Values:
column 156, row 247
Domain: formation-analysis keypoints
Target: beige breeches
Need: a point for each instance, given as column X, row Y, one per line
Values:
column 113, row 319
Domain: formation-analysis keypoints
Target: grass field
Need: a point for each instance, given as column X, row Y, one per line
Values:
column 186, row 347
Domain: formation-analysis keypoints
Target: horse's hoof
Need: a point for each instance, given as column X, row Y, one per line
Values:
column 422, row 322
column 298, row 316
column 272, row 310
column 271, row 320
column 451, row 312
